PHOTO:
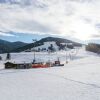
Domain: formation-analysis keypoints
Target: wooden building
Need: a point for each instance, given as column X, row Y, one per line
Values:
column 10, row 65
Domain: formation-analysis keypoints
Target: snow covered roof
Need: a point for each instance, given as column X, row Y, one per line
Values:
column 18, row 61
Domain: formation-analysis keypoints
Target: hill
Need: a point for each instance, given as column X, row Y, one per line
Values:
column 47, row 39
column 6, row 46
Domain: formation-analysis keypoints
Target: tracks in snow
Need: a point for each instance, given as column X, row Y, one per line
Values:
column 5, row 72
column 93, row 85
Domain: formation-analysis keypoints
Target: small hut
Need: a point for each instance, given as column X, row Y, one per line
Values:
column 10, row 65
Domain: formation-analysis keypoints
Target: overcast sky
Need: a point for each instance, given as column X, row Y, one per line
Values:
column 21, row 19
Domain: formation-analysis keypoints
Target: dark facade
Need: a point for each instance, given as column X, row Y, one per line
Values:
column 9, row 65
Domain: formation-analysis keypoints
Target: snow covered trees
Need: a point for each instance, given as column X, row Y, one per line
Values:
column 51, row 48
column 93, row 47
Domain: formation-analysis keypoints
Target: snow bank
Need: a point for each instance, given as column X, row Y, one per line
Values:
column 77, row 80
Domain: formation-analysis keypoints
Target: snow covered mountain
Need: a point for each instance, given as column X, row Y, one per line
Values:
column 6, row 46
column 46, row 42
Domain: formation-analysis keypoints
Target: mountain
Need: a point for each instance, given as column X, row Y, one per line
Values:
column 47, row 39
column 6, row 46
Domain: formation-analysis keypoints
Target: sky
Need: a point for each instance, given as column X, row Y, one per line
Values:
column 24, row 20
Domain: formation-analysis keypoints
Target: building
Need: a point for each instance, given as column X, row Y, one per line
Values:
column 10, row 65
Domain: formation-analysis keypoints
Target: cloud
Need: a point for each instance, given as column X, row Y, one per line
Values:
column 68, row 18
column 6, row 34
column 96, row 36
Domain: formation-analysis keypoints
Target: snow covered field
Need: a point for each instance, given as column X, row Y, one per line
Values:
column 77, row 80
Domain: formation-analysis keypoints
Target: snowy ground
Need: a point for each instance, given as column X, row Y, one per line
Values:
column 77, row 80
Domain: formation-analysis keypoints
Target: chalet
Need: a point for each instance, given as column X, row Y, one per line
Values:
column 10, row 65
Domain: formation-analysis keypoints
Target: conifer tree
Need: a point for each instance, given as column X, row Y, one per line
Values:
column 8, row 56
column 0, row 58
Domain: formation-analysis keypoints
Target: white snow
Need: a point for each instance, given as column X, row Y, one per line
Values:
column 77, row 80
column 46, row 45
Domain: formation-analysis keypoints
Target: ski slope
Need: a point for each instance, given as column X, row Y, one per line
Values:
column 77, row 80
column 46, row 45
